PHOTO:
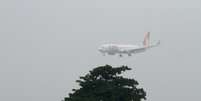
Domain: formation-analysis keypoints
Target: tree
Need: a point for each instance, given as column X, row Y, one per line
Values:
column 105, row 83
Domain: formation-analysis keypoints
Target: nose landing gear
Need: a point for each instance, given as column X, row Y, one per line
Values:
column 129, row 54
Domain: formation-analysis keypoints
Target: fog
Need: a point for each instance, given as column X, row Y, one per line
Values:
column 45, row 45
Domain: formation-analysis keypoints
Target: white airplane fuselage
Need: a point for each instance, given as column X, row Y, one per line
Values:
column 112, row 49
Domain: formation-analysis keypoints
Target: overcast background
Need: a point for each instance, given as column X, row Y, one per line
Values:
column 45, row 45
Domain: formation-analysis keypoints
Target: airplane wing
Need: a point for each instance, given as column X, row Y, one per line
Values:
column 138, row 50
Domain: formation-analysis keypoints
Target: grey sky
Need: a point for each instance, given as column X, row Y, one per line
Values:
column 45, row 45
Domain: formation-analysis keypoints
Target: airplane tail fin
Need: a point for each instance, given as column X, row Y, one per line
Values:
column 146, row 39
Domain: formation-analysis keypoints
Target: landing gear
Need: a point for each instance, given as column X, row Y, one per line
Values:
column 129, row 54
column 120, row 55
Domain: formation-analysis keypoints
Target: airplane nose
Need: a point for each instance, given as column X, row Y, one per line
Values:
column 100, row 48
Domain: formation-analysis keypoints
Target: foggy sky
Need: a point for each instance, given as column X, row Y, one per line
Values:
column 45, row 45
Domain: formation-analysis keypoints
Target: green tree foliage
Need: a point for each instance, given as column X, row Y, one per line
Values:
column 105, row 83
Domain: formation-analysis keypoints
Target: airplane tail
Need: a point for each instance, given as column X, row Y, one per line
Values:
column 146, row 39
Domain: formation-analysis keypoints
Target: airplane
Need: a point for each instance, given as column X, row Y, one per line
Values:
column 113, row 49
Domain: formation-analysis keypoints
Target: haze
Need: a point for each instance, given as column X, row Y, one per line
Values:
column 45, row 45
